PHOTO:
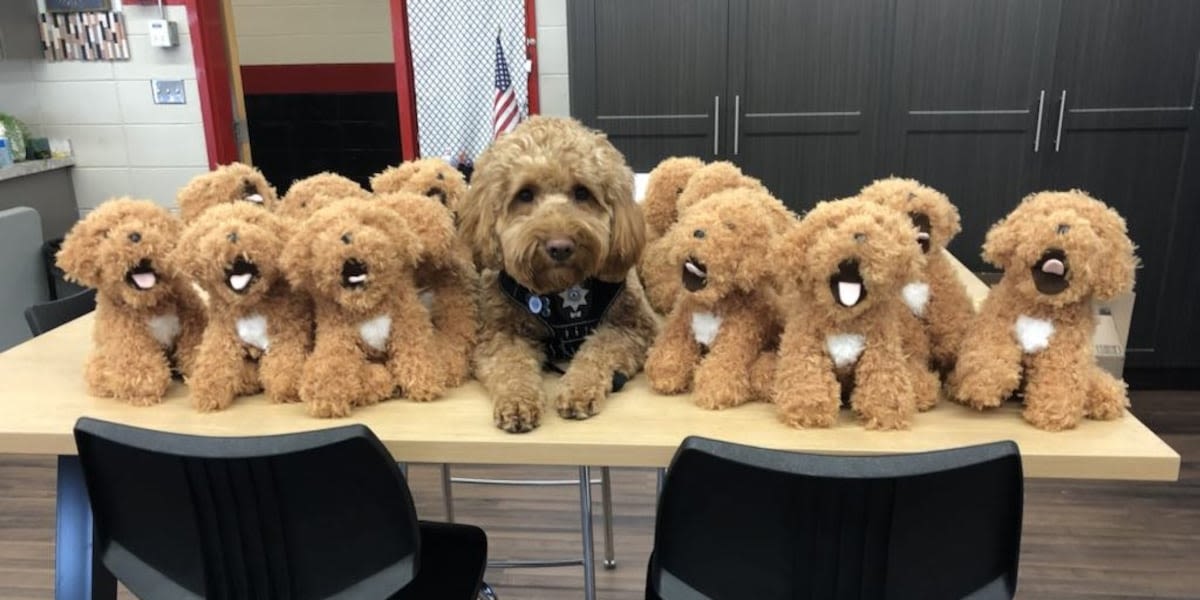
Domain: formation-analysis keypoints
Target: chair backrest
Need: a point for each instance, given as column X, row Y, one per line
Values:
column 21, row 271
column 742, row 522
column 321, row 514
column 44, row 316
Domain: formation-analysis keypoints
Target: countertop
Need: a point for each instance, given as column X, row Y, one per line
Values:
column 33, row 167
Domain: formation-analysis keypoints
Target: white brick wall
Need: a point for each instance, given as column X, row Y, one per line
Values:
column 124, row 143
column 553, row 85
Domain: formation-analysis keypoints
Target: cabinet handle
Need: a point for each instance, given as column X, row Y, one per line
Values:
column 716, row 124
column 1062, row 108
column 737, row 120
column 1037, row 136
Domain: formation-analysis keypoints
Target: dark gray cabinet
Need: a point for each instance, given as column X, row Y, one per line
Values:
column 19, row 30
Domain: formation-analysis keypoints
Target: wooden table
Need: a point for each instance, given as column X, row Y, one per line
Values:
column 42, row 394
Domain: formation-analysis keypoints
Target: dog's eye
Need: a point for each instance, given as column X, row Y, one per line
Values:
column 232, row 237
column 440, row 176
column 524, row 195
column 730, row 226
column 135, row 237
column 581, row 193
column 860, row 237
column 1063, row 228
column 678, row 191
column 346, row 238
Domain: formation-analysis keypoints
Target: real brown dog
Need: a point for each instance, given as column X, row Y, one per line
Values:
column 551, row 220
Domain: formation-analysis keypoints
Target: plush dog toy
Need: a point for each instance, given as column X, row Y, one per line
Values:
column 659, row 275
column 663, row 188
column 936, row 297
column 259, row 331
column 147, row 319
column 357, row 261
column 847, row 261
column 1058, row 250
column 234, row 182
column 308, row 195
column 432, row 177
column 728, row 313
column 551, row 220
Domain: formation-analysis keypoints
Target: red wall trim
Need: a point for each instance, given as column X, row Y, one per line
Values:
column 531, row 52
column 154, row 2
column 318, row 79
column 406, row 96
column 212, row 79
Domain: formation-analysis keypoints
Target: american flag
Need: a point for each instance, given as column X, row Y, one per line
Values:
column 504, row 108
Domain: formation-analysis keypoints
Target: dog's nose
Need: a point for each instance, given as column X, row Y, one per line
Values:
column 560, row 249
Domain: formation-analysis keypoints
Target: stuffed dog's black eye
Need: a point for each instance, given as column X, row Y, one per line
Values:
column 678, row 191
column 440, row 177
column 524, row 195
column 730, row 226
column 1063, row 228
column 860, row 237
column 581, row 193
column 135, row 237
column 232, row 236
column 346, row 238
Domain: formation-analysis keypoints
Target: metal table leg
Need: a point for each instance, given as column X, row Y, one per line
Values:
column 447, row 493
column 585, row 516
column 78, row 573
column 662, row 477
column 610, row 558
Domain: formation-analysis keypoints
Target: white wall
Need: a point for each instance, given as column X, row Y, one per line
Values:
column 301, row 32
column 553, row 87
column 124, row 144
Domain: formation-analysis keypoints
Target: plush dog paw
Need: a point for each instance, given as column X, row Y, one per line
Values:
column 668, row 377
column 210, row 402
column 329, row 409
column 287, row 396
column 973, row 392
column 143, row 400
column 885, row 420
column 1050, row 420
column 717, row 395
column 518, row 415
column 578, row 398
column 808, row 418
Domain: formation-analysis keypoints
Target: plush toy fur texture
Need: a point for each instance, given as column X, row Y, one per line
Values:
column 947, row 310
column 147, row 318
column 357, row 260
column 659, row 275
column 1058, row 250
column 432, row 177
column 308, row 195
column 665, row 184
column 259, row 331
column 728, row 312
column 234, row 182
column 551, row 179
column 847, row 261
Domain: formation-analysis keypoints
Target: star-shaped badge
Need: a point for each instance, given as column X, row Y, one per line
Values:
column 574, row 298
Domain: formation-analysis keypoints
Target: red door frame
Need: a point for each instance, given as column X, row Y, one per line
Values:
column 215, row 88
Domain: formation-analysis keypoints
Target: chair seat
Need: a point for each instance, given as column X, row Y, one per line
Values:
column 453, row 558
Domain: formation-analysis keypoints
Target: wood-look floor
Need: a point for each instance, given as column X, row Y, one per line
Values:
column 1081, row 539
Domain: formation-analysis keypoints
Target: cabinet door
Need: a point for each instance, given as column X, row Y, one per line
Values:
column 651, row 74
column 806, row 81
column 968, row 84
column 1127, row 134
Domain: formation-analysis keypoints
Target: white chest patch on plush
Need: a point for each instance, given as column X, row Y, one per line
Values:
column 164, row 328
column 916, row 297
column 1033, row 334
column 375, row 332
column 426, row 298
column 253, row 331
column 845, row 348
column 705, row 326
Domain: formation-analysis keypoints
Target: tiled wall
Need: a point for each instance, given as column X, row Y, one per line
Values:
column 123, row 142
column 553, row 86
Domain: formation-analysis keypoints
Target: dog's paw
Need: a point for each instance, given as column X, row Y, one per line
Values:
column 329, row 409
column 809, row 419
column 669, row 378
column 287, row 396
column 143, row 400
column 210, row 402
column 518, row 415
column 580, row 397
column 972, row 392
column 1050, row 420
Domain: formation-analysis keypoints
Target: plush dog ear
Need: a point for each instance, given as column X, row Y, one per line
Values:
column 184, row 258
column 79, row 256
column 628, row 228
column 426, row 218
column 297, row 256
column 1000, row 243
column 1117, row 260
column 392, row 179
column 478, row 211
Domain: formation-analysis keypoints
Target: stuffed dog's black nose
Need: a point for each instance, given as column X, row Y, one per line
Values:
column 560, row 249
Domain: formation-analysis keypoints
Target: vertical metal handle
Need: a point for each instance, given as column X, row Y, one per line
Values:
column 1037, row 135
column 1062, row 108
column 737, row 120
column 716, row 124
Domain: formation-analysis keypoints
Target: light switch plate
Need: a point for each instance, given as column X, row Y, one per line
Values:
column 163, row 33
column 168, row 91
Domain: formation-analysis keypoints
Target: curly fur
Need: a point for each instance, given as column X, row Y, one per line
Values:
column 1062, row 383
column 357, row 261
column 726, row 236
column 128, row 361
column 259, row 331
column 553, row 179
column 308, row 195
column 658, row 274
column 948, row 310
column 829, row 347
column 233, row 182
column 432, row 177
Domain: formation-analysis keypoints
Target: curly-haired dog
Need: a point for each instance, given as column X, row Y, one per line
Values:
column 848, row 260
column 147, row 318
column 729, row 313
column 259, row 331
column 1058, row 250
column 551, row 219
column 432, row 177
column 308, row 195
column 937, row 298
column 356, row 260
column 234, row 182
column 659, row 275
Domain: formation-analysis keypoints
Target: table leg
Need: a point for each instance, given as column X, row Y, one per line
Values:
column 448, row 493
column 660, row 479
column 610, row 553
column 585, row 516
column 78, row 572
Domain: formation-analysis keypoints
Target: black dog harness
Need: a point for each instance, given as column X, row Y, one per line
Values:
column 570, row 316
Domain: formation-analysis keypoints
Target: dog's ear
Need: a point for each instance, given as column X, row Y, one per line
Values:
column 478, row 211
column 79, row 256
column 426, row 218
column 1001, row 242
column 391, row 179
column 185, row 256
column 1117, row 260
column 297, row 256
column 627, row 237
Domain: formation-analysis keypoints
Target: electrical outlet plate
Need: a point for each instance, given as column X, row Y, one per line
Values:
column 168, row 91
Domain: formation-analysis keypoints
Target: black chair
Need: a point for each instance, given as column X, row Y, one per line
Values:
column 742, row 522
column 45, row 316
column 321, row 514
